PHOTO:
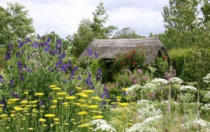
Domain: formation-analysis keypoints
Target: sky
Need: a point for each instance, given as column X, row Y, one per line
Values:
column 64, row 16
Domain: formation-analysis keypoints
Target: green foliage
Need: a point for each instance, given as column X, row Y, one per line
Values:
column 126, row 33
column 14, row 24
column 190, row 64
column 181, row 23
column 161, row 65
column 130, row 60
column 89, row 30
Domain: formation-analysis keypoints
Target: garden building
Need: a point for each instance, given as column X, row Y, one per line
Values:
column 108, row 49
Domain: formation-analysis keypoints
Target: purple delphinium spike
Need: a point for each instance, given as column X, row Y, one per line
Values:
column 96, row 55
column 11, row 83
column 1, row 79
column 8, row 55
column 99, row 75
column 19, row 64
column 41, row 103
column 90, row 52
column 79, row 78
column 58, row 63
column 22, row 78
column 10, row 47
column 29, row 70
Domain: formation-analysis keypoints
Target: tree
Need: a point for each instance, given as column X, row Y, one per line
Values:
column 180, row 22
column 14, row 24
column 126, row 33
column 89, row 30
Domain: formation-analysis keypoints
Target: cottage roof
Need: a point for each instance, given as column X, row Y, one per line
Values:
column 110, row 48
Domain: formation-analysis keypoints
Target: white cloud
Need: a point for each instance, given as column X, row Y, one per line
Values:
column 63, row 16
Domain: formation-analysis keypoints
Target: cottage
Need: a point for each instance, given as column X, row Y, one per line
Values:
column 108, row 49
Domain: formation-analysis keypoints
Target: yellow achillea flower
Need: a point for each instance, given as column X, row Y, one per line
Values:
column 107, row 100
column 78, row 88
column 66, row 124
column 56, row 119
column 124, row 89
column 26, row 92
column 24, row 102
column 13, row 100
column 42, row 120
column 39, row 94
column 17, row 108
column 53, row 106
column 55, row 101
column 72, row 119
column 65, row 103
column 53, row 85
column 85, row 125
column 60, row 98
column 82, row 100
column 31, row 129
column 33, row 102
column 123, row 104
column 70, row 97
column 12, row 115
column 98, row 117
column 57, row 123
column 61, row 93
column 88, row 91
column 82, row 113
column 44, row 125
column 84, row 105
column 118, row 97
column 92, row 106
column 56, row 89
column 49, row 115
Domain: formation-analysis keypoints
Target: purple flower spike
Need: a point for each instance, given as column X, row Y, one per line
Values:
column 96, row 55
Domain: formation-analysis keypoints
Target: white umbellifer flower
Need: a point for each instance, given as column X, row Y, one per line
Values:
column 142, row 101
column 206, row 107
column 175, row 80
column 207, row 96
column 183, row 88
column 148, row 111
column 149, row 86
column 102, row 125
column 159, row 81
column 206, row 79
column 154, row 118
column 132, row 89
column 199, row 122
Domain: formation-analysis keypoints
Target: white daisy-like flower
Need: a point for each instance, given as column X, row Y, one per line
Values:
column 102, row 125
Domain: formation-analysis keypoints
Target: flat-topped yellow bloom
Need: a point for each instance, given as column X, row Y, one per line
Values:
column 98, row 117
column 88, row 91
column 77, row 104
column 56, row 89
column 65, row 103
column 53, row 85
column 92, row 106
column 97, row 98
column 70, row 97
column 33, row 102
column 24, row 102
column 82, row 113
column 13, row 100
column 12, row 115
column 78, row 88
column 107, row 100
column 1, row 105
column 55, row 101
column 26, row 92
column 83, row 105
column 56, row 119
column 61, row 93
column 124, row 89
column 39, row 94
column 60, row 98
column 85, row 125
column 3, row 115
column 42, row 120
column 123, row 104
column 118, row 97
column 17, row 108
column 27, row 106
column 81, row 100
column 53, row 106
column 49, row 115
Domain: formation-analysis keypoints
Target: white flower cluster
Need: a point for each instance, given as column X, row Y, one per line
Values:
column 184, row 88
column 174, row 103
column 148, row 111
column 159, row 81
column 206, row 79
column 175, row 80
column 206, row 107
column 207, row 96
column 102, row 125
column 196, row 123
column 146, row 125
column 150, row 86
column 142, row 101
column 132, row 89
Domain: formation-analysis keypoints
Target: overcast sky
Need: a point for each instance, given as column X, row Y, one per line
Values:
column 64, row 16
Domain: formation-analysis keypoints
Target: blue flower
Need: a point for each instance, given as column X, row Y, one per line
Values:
column 1, row 79
column 90, row 52
column 96, row 55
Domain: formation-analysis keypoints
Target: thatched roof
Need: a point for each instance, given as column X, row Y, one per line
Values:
column 110, row 48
